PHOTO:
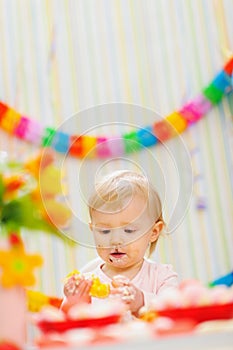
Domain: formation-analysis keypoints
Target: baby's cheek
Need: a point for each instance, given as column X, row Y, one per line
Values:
column 103, row 253
column 102, row 241
column 134, row 252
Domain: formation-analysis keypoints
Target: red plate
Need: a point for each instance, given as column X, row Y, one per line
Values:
column 62, row 326
column 201, row 313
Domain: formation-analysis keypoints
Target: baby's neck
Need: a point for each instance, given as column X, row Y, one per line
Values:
column 129, row 272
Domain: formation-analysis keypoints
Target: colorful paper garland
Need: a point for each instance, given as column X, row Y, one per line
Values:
column 103, row 147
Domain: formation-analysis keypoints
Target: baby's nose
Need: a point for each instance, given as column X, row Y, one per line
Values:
column 116, row 238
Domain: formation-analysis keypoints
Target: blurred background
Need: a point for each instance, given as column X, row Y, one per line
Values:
column 108, row 66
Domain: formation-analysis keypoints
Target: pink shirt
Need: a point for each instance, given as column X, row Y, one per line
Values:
column 152, row 279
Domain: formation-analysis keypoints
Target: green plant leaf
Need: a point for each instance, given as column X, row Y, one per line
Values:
column 24, row 213
column 2, row 188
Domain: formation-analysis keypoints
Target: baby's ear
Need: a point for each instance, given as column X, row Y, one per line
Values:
column 156, row 229
column 91, row 226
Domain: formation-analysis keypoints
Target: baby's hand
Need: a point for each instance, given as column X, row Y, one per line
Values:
column 70, row 286
column 76, row 290
column 129, row 294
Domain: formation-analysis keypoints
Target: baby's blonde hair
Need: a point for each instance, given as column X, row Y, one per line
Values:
column 112, row 191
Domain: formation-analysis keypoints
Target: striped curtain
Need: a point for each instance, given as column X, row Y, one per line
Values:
column 109, row 66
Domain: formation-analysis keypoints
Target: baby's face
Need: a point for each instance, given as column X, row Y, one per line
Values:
column 123, row 236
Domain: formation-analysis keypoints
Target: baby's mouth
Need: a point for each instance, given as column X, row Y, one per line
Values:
column 117, row 255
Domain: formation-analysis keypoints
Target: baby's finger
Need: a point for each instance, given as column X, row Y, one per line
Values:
column 83, row 288
column 70, row 290
column 126, row 293
column 120, row 281
column 116, row 291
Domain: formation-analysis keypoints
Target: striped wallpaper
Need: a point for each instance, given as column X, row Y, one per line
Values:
column 76, row 64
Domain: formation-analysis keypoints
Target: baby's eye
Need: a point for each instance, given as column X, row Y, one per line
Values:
column 105, row 231
column 129, row 230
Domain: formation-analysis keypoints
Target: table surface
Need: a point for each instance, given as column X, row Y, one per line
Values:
column 198, row 341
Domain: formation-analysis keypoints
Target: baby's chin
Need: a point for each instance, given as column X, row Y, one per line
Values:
column 118, row 260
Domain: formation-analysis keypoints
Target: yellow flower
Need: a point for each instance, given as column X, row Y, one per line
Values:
column 17, row 267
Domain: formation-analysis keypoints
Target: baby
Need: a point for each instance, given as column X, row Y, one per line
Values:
column 126, row 221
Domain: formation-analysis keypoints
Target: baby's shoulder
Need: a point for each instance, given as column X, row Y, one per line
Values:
column 156, row 266
column 91, row 265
